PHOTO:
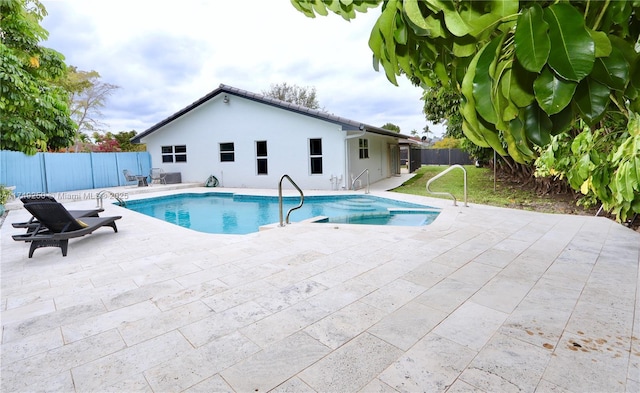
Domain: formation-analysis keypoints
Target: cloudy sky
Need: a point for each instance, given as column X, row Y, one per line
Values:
column 166, row 54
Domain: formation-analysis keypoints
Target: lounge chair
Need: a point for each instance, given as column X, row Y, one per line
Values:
column 33, row 222
column 56, row 226
column 141, row 180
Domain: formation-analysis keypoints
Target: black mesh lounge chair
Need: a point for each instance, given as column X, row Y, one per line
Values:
column 56, row 226
column 33, row 223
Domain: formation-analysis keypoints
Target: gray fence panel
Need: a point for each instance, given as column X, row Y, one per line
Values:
column 104, row 168
column 66, row 172
column 24, row 172
column 445, row 157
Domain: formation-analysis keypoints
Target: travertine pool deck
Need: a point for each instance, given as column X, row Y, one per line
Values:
column 485, row 299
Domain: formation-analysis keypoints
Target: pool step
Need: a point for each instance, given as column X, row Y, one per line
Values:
column 360, row 205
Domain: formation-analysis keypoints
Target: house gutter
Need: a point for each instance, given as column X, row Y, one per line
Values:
column 346, row 152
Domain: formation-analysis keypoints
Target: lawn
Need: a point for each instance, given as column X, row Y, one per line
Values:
column 480, row 189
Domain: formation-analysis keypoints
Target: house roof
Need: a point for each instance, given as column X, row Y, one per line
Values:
column 346, row 124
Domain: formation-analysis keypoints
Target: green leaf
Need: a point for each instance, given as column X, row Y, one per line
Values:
column 490, row 135
column 612, row 70
column 531, row 39
column 400, row 32
column 452, row 19
column 320, row 8
column 562, row 121
column 603, row 44
column 592, row 99
column 462, row 48
column 483, row 81
column 516, row 131
column 572, row 49
column 552, row 93
column 416, row 19
column 521, row 89
column 537, row 125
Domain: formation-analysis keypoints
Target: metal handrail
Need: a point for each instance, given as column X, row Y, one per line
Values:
column 104, row 193
column 280, row 198
column 452, row 167
column 353, row 182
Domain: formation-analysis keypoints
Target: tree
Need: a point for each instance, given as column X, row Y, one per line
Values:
column 391, row 127
column 88, row 95
column 33, row 110
column 109, row 142
column 124, row 140
column 526, row 70
column 303, row 96
column 447, row 143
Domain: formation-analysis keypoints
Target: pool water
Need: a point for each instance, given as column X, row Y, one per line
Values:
column 227, row 213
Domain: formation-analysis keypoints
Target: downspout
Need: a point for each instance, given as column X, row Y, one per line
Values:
column 346, row 153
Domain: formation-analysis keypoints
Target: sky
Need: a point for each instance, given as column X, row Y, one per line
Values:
column 164, row 55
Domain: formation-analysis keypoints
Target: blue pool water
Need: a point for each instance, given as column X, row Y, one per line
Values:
column 226, row 213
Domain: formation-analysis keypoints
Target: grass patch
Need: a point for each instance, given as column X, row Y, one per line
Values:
column 480, row 189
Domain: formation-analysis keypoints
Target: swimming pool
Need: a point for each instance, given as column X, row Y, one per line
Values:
column 228, row 213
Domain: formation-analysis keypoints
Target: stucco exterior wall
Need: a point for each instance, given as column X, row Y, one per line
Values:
column 378, row 162
column 243, row 122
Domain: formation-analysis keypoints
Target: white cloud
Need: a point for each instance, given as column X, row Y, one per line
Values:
column 165, row 55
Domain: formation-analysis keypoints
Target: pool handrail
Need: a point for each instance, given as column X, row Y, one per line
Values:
column 102, row 194
column 353, row 182
column 452, row 167
column 280, row 198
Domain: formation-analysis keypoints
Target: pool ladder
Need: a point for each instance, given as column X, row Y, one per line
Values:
column 280, row 198
column 353, row 182
column 452, row 167
column 102, row 194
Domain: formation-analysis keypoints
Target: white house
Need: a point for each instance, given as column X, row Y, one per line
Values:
column 249, row 140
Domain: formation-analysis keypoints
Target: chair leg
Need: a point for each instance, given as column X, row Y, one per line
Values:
column 62, row 244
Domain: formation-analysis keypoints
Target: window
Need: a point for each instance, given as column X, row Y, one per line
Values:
column 261, row 157
column 364, row 148
column 227, row 153
column 315, row 155
column 181, row 153
column 176, row 153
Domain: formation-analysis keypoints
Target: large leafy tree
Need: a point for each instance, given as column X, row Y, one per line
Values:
column 526, row 70
column 391, row 127
column 303, row 96
column 33, row 109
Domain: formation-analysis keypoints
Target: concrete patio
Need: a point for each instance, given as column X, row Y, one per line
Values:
column 484, row 299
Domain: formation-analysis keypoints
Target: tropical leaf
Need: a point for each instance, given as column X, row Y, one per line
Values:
column 521, row 90
column 603, row 44
column 483, row 81
column 516, row 131
column 320, row 8
column 463, row 47
column 592, row 99
column 490, row 135
column 415, row 18
column 553, row 93
column 572, row 49
column 562, row 121
column 537, row 125
column 400, row 33
column 503, row 9
column 531, row 39
column 612, row 70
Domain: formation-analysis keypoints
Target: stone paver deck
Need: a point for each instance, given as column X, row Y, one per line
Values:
column 484, row 299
